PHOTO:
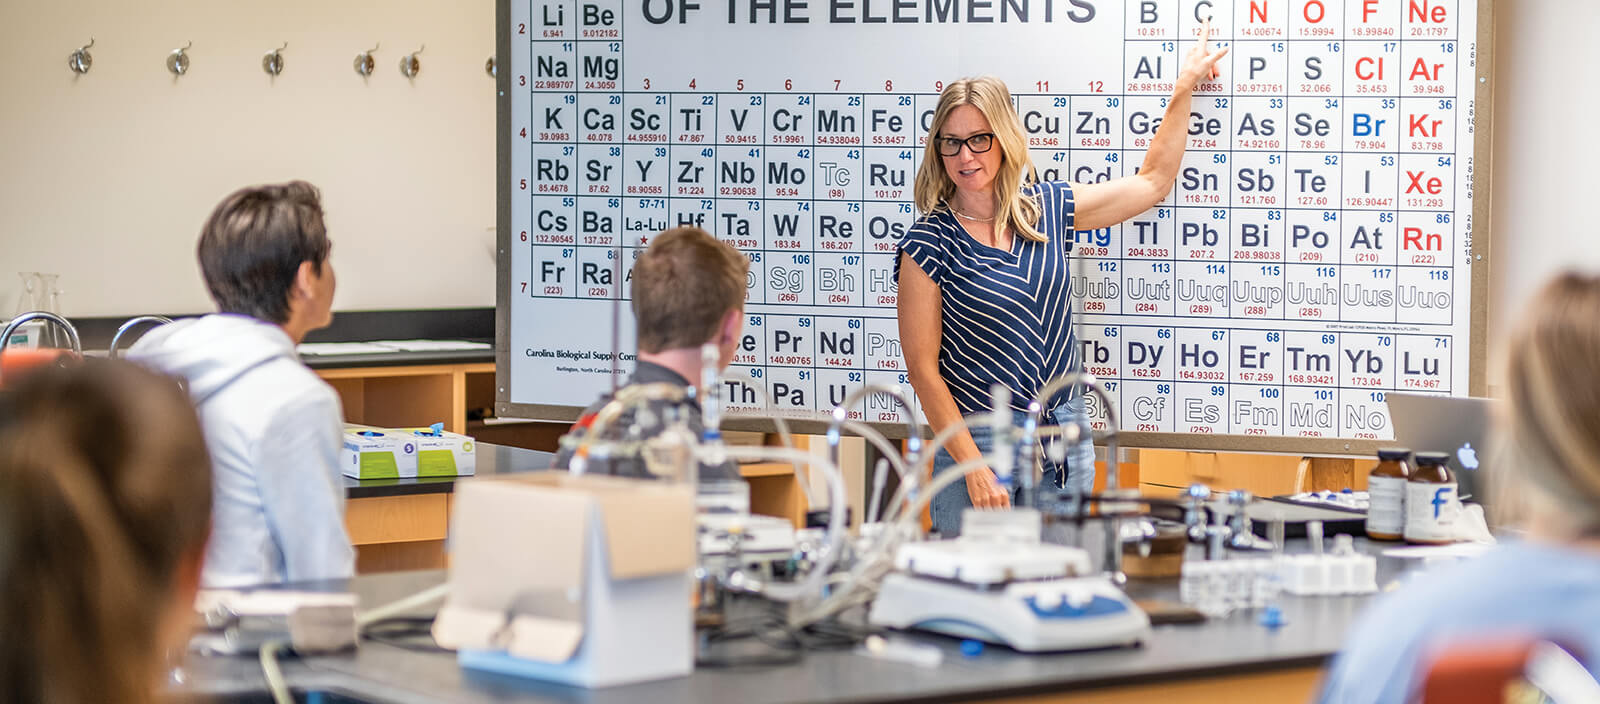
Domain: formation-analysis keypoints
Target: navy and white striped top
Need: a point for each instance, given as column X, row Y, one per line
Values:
column 1007, row 315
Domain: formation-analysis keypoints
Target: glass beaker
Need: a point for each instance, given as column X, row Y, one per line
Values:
column 28, row 300
column 28, row 295
column 50, row 292
column 50, row 300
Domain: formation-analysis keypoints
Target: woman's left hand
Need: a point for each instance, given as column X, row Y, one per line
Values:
column 1200, row 64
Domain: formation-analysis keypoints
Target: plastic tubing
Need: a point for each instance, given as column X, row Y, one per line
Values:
column 924, row 463
column 931, row 450
column 841, row 418
column 1092, row 386
column 837, row 529
column 882, row 552
column 626, row 398
column 784, row 437
column 878, row 472
column 889, row 451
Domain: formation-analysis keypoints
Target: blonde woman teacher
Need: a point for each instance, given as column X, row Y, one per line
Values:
column 984, row 273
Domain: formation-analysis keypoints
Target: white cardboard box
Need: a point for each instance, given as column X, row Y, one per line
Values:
column 443, row 455
column 578, row 580
column 373, row 453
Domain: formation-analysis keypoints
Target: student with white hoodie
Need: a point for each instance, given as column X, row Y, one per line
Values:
column 273, row 429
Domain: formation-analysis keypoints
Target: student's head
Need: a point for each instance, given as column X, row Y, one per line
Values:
column 688, row 290
column 264, row 253
column 105, row 507
column 1553, row 407
column 969, row 108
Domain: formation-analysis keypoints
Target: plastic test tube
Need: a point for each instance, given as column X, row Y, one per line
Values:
column 1275, row 533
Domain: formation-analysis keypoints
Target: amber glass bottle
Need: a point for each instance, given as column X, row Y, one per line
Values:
column 1386, row 486
column 1431, row 501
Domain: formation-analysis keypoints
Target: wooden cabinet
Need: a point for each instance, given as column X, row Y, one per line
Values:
column 1161, row 471
column 415, row 395
column 406, row 532
column 393, row 533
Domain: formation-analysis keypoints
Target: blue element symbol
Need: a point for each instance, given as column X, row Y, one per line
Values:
column 410, row 448
column 971, row 648
column 1467, row 456
column 1439, row 499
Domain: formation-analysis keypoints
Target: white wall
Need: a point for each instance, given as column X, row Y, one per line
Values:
column 107, row 177
column 1546, row 166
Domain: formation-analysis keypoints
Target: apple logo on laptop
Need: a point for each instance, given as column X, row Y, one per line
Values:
column 1468, row 456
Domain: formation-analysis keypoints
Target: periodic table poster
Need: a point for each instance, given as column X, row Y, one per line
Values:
column 1314, row 255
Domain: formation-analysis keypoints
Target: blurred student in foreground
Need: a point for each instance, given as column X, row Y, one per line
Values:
column 1545, row 585
column 105, row 505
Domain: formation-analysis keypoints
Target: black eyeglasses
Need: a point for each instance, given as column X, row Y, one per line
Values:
column 978, row 143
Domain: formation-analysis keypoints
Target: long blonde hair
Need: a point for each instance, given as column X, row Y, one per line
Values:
column 105, row 505
column 990, row 96
column 1551, row 432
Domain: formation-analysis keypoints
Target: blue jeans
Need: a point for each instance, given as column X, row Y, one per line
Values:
column 952, row 500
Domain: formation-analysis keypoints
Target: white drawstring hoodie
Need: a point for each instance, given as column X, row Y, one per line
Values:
column 273, row 430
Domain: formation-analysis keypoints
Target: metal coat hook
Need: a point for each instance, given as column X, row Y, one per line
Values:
column 80, row 61
column 272, row 61
column 364, row 62
column 178, row 60
column 410, row 65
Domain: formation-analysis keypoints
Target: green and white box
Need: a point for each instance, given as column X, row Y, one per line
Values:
column 371, row 453
column 442, row 454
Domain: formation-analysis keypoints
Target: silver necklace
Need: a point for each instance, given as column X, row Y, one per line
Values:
column 965, row 216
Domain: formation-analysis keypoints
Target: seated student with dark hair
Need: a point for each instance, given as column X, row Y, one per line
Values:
column 274, row 429
column 688, row 291
column 105, row 501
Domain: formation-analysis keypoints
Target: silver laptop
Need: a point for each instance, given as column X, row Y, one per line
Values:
column 1457, row 426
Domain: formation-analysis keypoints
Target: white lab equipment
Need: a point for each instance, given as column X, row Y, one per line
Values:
column 1000, row 586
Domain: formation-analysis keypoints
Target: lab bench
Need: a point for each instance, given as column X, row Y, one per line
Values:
column 400, row 524
column 1230, row 659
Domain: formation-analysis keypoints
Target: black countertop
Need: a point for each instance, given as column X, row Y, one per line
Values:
column 492, row 459
column 1233, row 645
column 396, row 359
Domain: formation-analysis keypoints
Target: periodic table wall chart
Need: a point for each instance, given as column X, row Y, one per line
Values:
column 1316, row 253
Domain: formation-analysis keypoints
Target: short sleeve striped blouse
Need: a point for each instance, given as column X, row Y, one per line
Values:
column 1007, row 314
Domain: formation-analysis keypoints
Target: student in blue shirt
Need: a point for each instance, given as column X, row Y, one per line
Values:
column 1545, row 586
column 984, row 273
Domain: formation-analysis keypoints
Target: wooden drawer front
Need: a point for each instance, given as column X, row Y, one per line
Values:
column 397, row 519
column 1263, row 475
